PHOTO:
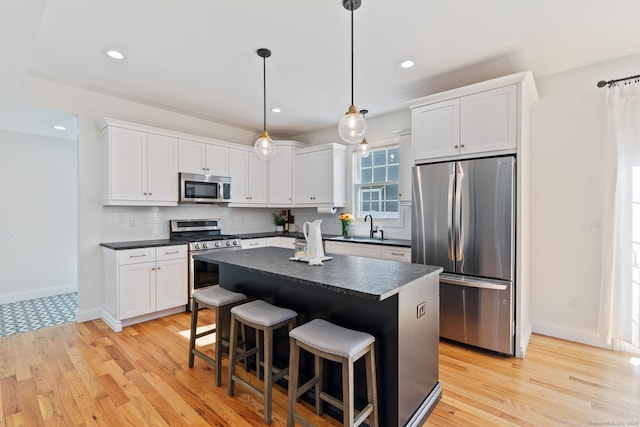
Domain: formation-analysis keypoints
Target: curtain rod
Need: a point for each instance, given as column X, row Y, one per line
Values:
column 610, row 83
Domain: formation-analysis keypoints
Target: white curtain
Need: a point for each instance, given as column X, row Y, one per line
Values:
column 619, row 302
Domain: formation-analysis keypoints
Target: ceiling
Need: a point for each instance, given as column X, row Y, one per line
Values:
column 199, row 56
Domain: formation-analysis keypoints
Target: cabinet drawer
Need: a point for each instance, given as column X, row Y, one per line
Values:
column 355, row 249
column 253, row 243
column 136, row 256
column 171, row 252
column 396, row 254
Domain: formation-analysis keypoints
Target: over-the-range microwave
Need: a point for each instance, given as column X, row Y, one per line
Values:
column 196, row 188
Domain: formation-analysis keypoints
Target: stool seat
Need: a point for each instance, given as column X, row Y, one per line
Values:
column 262, row 313
column 331, row 338
column 216, row 296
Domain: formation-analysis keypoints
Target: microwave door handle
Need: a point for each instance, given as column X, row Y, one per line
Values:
column 220, row 191
column 450, row 212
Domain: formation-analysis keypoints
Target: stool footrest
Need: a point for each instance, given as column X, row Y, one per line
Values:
column 306, row 387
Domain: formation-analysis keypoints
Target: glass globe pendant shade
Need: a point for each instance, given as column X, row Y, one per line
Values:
column 264, row 146
column 363, row 149
column 352, row 127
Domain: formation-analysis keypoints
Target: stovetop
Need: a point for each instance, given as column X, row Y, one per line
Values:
column 202, row 234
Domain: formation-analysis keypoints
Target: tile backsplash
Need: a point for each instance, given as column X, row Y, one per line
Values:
column 129, row 223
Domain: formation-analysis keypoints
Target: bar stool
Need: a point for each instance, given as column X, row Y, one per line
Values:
column 328, row 341
column 216, row 298
column 265, row 318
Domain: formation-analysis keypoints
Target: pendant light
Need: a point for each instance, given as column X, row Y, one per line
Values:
column 264, row 146
column 363, row 148
column 352, row 126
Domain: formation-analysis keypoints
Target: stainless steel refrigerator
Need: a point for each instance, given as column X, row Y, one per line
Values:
column 464, row 221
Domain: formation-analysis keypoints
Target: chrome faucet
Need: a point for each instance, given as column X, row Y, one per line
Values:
column 372, row 230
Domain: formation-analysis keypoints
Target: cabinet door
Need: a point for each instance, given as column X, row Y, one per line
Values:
column 257, row 179
column 162, row 168
column 238, row 172
column 287, row 242
column 127, row 164
column 303, row 191
column 281, row 177
column 171, row 283
column 137, row 290
column 191, row 157
column 323, row 177
column 216, row 162
column 489, row 120
column 272, row 241
column 436, row 130
column 354, row 249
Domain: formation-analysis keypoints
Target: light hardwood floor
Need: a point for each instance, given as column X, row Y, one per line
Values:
column 85, row 374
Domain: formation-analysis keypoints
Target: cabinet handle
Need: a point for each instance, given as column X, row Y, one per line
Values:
column 145, row 194
column 172, row 252
column 461, row 145
column 137, row 256
column 254, row 244
column 150, row 194
column 455, row 146
column 397, row 254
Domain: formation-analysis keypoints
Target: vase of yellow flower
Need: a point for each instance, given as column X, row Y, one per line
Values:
column 345, row 219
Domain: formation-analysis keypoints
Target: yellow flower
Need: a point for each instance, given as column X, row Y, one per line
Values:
column 346, row 218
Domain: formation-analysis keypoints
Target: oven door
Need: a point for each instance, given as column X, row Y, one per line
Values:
column 202, row 274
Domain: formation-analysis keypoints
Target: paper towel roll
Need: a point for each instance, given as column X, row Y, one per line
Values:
column 327, row 211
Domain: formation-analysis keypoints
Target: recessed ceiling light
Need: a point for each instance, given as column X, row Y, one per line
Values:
column 276, row 110
column 58, row 127
column 114, row 54
column 407, row 63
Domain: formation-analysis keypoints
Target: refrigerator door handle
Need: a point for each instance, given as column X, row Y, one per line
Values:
column 458, row 209
column 452, row 175
column 472, row 282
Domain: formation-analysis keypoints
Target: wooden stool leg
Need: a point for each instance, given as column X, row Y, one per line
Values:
column 219, row 329
column 268, row 373
column 372, row 385
column 294, row 366
column 192, row 337
column 232, row 354
column 317, row 362
column 348, row 412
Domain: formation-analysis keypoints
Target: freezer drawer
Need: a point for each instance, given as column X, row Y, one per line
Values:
column 478, row 315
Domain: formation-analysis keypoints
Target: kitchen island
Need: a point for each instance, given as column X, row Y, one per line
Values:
column 396, row 302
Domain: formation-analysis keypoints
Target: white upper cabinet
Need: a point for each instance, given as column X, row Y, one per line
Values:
column 140, row 168
column 280, row 166
column 319, row 176
column 248, row 178
column 483, row 118
column 203, row 158
column 437, row 129
column 488, row 120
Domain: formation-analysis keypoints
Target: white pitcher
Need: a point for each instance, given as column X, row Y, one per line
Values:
column 313, row 236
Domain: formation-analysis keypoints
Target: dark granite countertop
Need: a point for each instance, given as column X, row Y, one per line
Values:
column 369, row 278
column 137, row 244
column 355, row 239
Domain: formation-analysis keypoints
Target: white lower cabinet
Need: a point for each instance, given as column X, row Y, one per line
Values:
column 367, row 250
column 142, row 284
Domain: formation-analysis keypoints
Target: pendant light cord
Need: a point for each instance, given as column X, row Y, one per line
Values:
column 264, row 93
column 352, row 56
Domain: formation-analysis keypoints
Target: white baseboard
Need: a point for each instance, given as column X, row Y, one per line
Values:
column 87, row 315
column 575, row 335
column 37, row 293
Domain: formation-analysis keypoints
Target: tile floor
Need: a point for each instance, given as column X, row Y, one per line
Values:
column 23, row 316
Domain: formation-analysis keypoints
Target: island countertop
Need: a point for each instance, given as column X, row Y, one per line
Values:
column 369, row 278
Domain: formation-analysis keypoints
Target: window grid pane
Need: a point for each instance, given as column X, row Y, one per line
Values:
column 377, row 186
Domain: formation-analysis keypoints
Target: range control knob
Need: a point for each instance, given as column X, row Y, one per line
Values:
column 205, row 245
column 196, row 246
column 235, row 243
column 228, row 243
column 217, row 244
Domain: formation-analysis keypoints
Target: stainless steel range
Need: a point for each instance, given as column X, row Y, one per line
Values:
column 203, row 236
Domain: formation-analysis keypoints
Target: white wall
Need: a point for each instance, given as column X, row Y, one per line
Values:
column 567, row 197
column 38, row 216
